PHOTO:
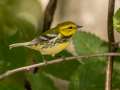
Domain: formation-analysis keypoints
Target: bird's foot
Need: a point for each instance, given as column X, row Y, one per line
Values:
column 45, row 61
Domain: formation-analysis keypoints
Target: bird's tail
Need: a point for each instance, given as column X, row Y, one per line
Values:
column 25, row 44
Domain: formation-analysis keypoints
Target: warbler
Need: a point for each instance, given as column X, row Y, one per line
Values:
column 52, row 41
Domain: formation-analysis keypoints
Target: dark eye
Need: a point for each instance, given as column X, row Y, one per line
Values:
column 70, row 27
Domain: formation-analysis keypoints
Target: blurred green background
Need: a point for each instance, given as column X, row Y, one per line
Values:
column 21, row 20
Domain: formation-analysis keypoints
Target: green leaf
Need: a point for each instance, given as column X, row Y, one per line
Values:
column 87, row 43
column 10, row 86
column 116, row 20
column 34, row 14
column 18, row 23
column 116, row 76
column 91, row 74
column 116, row 72
column 20, row 16
column 40, row 81
column 14, row 82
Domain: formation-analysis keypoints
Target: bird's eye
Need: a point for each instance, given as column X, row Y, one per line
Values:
column 70, row 27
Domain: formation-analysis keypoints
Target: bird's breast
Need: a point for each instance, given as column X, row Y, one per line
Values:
column 51, row 50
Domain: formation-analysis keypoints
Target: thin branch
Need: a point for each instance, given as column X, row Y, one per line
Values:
column 112, row 47
column 13, row 71
column 49, row 14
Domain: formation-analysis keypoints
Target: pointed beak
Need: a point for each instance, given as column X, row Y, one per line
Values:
column 78, row 26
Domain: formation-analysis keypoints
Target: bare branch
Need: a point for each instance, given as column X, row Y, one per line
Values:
column 112, row 47
column 11, row 72
column 49, row 14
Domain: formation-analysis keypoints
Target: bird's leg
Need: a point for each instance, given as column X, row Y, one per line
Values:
column 44, row 60
column 63, row 57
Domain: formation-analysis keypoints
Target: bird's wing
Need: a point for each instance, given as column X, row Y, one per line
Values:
column 45, row 37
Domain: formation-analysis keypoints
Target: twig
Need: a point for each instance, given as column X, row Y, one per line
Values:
column 13, row 71
column 49, row 13
column 112, row 47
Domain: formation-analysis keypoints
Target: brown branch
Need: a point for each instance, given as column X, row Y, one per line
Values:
column 13, row 71
column 49, row 14
column 112, row 47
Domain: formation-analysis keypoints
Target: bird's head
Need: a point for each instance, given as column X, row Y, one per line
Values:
column 67, row 28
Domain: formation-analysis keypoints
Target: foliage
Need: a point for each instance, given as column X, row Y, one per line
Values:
column 18, row 24
column 116, row 20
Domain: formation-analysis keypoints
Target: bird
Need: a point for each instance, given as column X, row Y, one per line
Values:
column 53, row 40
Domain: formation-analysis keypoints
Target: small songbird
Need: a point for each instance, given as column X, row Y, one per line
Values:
column 52, row 41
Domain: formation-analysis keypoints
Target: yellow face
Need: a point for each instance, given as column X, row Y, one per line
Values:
column 67, row 28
